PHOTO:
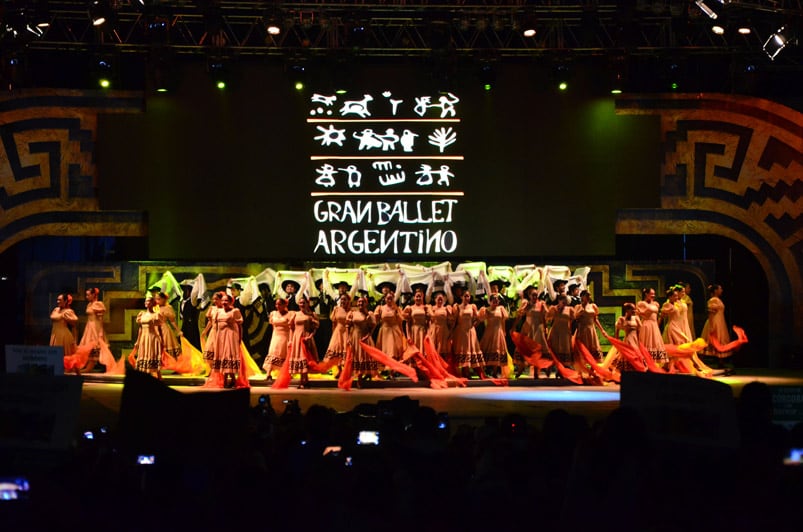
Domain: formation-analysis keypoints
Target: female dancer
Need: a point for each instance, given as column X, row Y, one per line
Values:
column 280, row 320
column 561, row 314
column 649, row 334
column 494, row 341
column 336, row 352
column 390, row 339
column 63, row 320
column 148, row 347
column 467, row 350
column 94, row 338
column 170, row 330
column 303, row 323
column 587, row 316
column 534, row 313
column 440, row 326
column 208, row 339
column 229, row 323
column 716, row 328
column 361, row 323
column 630, row 324
column 416, row 318
column 677, row 332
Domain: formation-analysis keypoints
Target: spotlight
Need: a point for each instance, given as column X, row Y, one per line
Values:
column 528, row 27
column 99, row 12
column 744, row 30
column 707, row 10
column 717, row 29
column 103, row 71
column 777, row 42
column 272, row 26
column 297, row 71
column 562, row 74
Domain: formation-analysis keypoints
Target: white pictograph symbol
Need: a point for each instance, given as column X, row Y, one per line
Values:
column 445, row 104
column 331, row 136
column 408, row 140
column 442, row 137
column 389, row 178
column 368, row 140
column 354, row 176
column 357, row 107
column 327, row 101
column 426, row 173
column 326, row 176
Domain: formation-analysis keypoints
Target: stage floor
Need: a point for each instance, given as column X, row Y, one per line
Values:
column 100, row 401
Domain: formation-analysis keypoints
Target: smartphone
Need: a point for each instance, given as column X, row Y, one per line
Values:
column 795, row 457
column 146, row 459
column 368, row 437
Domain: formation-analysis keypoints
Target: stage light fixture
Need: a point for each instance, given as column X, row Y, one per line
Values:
column 562, row 72
column 706, row 9
column 272, row 27
column 744, row 30
column 218, row 71
column 716, row 29
column 487, row 75
column 528, row 28
column 297, row 73
column 99, row 12
column 777, row 42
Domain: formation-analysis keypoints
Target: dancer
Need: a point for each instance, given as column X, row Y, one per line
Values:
column 148, row 347
column 629, row 323
column 303, row 323
column 170, row 329
column 494, row 340
column 649, row 334
column 677, row 333
column 587, row 320
column 561, row 315
column 715, row 331
column 686, row 298
column 208, row 338
column 440, row 326
column 280, row 320
column 467, row 350
column 336, row 351
column 229, row 335
column 94, row 339
column 390, row 338
column 533, row 312
column 361, row 323
column 416, row 319
column 63, row 320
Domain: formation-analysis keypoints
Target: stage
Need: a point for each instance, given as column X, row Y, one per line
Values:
column 532, row 398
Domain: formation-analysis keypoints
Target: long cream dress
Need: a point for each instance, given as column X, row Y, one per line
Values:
column 302, row 325
column 586, row 332
column 417, row 317
column 362, row 325
column 439, row 331
column 149, row 341
column 227, row 341
column 279, row 340
column 560, row 335
column 390, row 339
column 62, row 321
column 715, row 325
column 467, row 350
column 649, row 333
column 171, row 344
column 340, row 335
column 493, row 342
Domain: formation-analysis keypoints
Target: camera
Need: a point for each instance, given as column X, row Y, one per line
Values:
column 146, row 459
column 368, row 437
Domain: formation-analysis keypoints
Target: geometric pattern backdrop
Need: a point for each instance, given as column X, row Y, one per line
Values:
column 733, row 166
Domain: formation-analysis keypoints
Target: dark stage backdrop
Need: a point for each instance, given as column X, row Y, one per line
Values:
column 520, row 171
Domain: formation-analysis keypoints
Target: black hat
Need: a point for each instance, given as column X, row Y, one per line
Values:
column 292, row 282
column 419, row 286
column 341, row 283
column 499, row 282
column 383, row 284
column 236, row 286
column 573, row 286
column 557, row 283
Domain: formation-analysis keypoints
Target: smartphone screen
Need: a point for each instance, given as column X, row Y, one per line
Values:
column 368, row 437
